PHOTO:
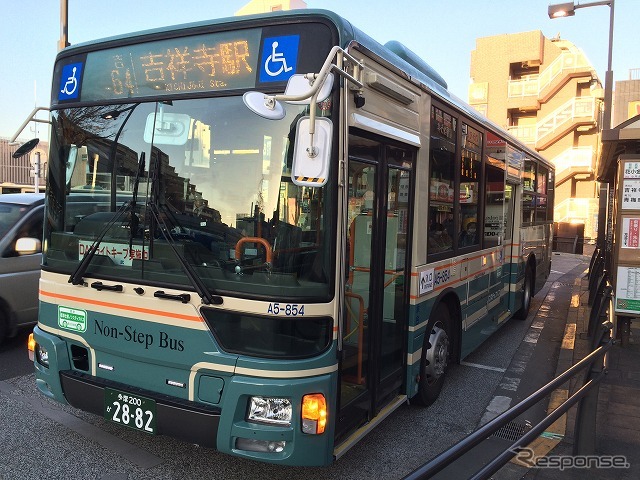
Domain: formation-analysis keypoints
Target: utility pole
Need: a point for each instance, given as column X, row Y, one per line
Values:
column 64, row 24
column 36, row 172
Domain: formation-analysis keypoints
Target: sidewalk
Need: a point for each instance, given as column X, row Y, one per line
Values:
column 618, row 417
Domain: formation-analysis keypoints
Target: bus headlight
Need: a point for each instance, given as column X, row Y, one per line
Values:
column 42, row 355
column 273, row 410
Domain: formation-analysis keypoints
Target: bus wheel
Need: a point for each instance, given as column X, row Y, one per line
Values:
column 527, row 293
column 435, row 356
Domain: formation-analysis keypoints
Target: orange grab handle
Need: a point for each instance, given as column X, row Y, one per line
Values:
column 261, row 241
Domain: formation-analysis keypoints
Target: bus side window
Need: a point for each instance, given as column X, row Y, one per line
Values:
column 441, row 181
column 470, row 166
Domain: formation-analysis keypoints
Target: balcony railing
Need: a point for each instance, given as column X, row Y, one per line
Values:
column 533, row 85
column 579, row 109
column 581, row 157
column 576, row 109
column 524, row 133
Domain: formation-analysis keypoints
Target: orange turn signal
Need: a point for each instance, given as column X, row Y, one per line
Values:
column 31, row 347
column 314, row 413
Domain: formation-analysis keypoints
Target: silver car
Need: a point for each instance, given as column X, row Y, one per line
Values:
column 21, row 224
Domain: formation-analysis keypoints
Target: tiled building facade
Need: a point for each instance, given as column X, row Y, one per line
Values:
column 546, row 93
column 627, row 98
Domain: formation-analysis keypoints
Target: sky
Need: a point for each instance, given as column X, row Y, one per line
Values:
column 442, row 32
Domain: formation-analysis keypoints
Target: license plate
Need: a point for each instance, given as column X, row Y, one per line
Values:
column 132, row 411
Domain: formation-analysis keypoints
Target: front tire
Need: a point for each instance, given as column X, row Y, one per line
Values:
column 527, row 294
column 436, row 354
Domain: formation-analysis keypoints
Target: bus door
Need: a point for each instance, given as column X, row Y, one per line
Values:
column 497, row 235
column 511, row 245
column 374, row 324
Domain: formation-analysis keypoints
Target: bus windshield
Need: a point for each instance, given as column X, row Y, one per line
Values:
column 203, row 182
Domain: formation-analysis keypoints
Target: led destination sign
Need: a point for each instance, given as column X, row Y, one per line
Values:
column 218, row 61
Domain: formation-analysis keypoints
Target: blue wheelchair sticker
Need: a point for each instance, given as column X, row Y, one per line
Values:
column 70, row 81
column 279, row 58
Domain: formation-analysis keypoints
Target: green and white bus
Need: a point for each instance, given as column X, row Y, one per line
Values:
column 264, row 234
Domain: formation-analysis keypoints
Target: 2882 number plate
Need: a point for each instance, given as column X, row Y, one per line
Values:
column 130, row 410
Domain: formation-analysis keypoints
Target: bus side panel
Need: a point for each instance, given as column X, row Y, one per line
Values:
column 47, row 379
column 418, row 318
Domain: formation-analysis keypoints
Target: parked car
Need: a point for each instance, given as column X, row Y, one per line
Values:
column 21, row 224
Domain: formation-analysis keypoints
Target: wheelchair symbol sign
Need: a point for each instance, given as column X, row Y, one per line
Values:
column 70, row 81
column 279, row 58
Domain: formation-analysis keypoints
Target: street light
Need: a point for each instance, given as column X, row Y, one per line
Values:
column 568, row 9
column 562, row 10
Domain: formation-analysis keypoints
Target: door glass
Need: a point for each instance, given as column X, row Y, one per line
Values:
column 355, row 360
column 494, row 207
column 508, row 212
column 394, row 271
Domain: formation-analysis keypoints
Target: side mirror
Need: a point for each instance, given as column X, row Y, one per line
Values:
column 26, row 148
column 28, row 246
column 312, row 152
column 300, row 85
column 167, row 128
column 300, row 90
column 71, row 163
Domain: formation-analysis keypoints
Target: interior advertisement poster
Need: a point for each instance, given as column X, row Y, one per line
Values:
column 628, row 290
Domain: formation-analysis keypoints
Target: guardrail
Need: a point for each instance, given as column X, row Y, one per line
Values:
column 586, row 396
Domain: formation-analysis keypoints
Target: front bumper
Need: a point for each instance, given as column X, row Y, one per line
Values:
column 182, row 419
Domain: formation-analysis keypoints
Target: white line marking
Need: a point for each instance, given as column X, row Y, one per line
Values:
column 485, row 367
column 509, row 383
column 497, row 405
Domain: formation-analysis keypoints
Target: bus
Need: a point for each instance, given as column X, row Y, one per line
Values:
column 296, row 231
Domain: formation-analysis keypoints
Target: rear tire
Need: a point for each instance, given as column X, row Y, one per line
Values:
column 527, row 294
column 436, row 354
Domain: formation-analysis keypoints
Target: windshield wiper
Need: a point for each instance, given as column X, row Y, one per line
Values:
column 196, row 281
column 78, row 273
column 133, row 224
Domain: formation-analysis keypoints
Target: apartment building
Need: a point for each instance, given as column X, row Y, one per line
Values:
column 546, row 93
column 263, row 6
column 626, row 100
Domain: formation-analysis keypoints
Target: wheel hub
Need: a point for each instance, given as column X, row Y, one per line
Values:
column 437, row 356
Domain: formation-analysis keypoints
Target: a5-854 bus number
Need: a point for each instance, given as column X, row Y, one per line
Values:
column 286, row 309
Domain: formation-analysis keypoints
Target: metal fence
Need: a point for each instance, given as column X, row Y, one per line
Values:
column 585, row 395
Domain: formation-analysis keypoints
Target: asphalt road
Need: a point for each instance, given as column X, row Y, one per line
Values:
column 43, row 439
column 14, row 360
